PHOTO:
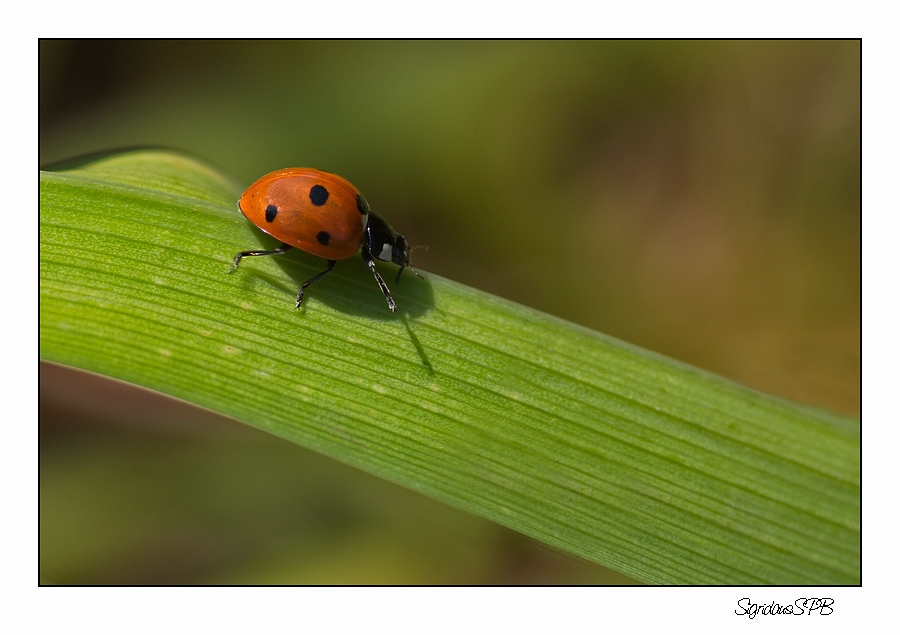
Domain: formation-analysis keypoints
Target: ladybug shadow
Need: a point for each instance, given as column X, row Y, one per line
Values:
column 351, row 288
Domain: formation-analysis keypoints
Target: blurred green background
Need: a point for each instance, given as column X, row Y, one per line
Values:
column 699, row 199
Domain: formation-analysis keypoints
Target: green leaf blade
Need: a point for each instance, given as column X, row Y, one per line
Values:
column 621, row 456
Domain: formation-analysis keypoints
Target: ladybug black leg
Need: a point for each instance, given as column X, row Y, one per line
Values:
column 413, row 270
column 387, row 293
column 315, row 278
column 267, row 252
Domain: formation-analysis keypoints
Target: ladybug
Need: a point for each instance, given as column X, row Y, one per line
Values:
column 323, row 215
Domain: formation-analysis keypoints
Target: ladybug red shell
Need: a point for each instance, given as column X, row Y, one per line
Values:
column 324, row 215
column 318, row 212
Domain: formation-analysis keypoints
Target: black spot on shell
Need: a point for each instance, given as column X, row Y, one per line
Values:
column 362, row 205
column 318, row 195
column 271, row 212
column 323, row 237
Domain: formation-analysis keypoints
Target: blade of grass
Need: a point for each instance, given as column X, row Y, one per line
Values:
column 643, row 464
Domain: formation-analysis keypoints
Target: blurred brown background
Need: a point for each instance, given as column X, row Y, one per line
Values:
column 700, row 199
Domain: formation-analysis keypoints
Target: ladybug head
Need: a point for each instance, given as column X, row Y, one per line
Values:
column 400, row 252
column 386, row 244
